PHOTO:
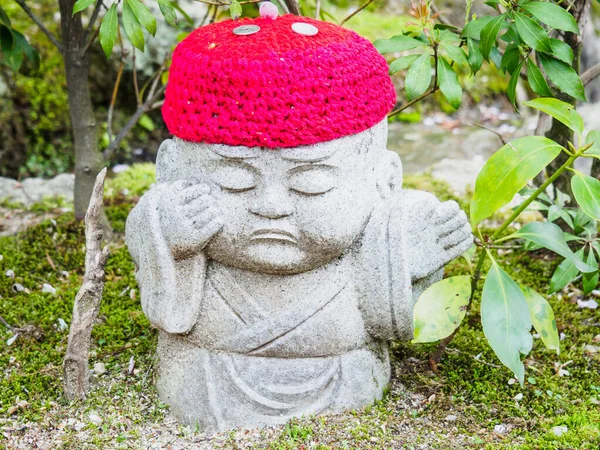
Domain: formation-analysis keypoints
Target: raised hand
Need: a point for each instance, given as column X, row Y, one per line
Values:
column 189, row 217
column 440, row 234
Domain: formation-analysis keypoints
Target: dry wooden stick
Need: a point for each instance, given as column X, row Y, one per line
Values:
column 87, row 302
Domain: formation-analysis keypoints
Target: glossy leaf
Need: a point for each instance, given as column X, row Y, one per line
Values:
column 590, row 280
column 418, row 77
column 80, row 5
column 586, row 191
column 475, row 58
column 441, row 308
column 562, row 111
column 593, row 137
column 555, row 212
column 563, row 76
column 489, row 33
column 108, row 30
column 235, row 9
column 455, row 53
column 507, row 171
column 168, row 12
column 564, row 274
column 511, row 91
column 397, row 43
column 496, row 57
column 448, row 83
column 143, row 15
column 561, row 50
column 542, row 318
column 473, row 29
column 552, row 15
column 510, row 59
column 506, row 320
column 402, row 63
column 133, row 28
column 532, row 33
column 550, row 236
column 536, row 80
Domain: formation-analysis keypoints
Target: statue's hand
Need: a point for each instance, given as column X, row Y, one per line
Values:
column 189, row 217
column 444, row 234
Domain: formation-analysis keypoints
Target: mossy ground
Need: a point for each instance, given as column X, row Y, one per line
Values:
column 458, row 408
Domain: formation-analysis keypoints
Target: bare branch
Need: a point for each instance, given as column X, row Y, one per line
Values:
column 87, row 301
column 142, row 109
column 292, row 6
column 94, row 17
column 356, row 12
column 479, row 125
column 113, row 100
column 40, row 24
column 590, row 74
column 135, row 80
column 317, row 8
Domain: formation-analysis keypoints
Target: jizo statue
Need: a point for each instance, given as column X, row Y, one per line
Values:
column 278, row 253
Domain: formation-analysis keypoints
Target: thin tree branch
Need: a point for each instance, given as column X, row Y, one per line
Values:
column 590, row 74
column 142, row 109
column 6, row 324
column 292, row 6
column 113, row 100
column 356, row 12
column 317, row 8
column 135, row 80
column 90, row 41
column 94, row 17
column 40, row 24
column 442, row 19
column 479, row 125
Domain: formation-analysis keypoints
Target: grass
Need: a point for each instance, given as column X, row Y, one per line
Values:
column 462, row 407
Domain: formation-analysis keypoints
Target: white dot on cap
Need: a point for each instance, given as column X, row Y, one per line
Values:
column 305, row 29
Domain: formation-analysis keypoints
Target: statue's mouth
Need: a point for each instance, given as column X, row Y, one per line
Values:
column 273, row 235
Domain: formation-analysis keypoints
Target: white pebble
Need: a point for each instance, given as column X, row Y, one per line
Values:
column 99, row 368
column 10, row 273
column 559, row 431
column 95, row 419
column 48, row 288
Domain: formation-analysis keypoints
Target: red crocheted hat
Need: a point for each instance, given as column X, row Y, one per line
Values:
column 275, row 87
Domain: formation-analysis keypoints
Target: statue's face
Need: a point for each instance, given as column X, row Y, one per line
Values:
column 288, row 210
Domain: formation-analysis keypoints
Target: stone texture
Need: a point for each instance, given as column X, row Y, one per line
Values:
column 34, row 190
column 277, row 278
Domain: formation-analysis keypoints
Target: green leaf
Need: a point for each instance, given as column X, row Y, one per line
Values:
column 564, row 274
column 132, row 26
column 507, row 171
column 562, row 111
column 80, row 5
column 590, row 280
column 536, row 80
column 473, row 29
column 441, row 308
column 7, row 39
column 563, row 76
column 550, row 236
column 31, row 53
column 542, row 318
column 511, row 91
column 506, row 320
column 561, row 50
column 146, row 122
column 397, row 43
column 402, row 63
column 510, row 59
column 475, row 59
column 489, row 33
column 555, row 212
column 455, row 54
column 593, row 137
column 552, row 15
column 4, row 19
column 586, row 191
column 235, row 10
column 418, row 77
column 143, row 15
column 168, row 12
column 532, row 33
column 108, row 30
column 448, row 82
column 496, row 57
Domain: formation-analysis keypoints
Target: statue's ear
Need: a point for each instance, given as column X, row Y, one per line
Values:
column 166, row 166
column 388, row 168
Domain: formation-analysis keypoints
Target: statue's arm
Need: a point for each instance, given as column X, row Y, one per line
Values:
column 171, row 288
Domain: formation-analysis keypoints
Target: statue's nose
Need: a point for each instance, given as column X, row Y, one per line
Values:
column 272, row 202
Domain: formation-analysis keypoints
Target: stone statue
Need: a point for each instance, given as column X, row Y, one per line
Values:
column 277, row 266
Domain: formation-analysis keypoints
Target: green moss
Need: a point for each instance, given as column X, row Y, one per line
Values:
column 133, row 182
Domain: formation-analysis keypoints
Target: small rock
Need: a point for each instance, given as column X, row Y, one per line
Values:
column 48, row 288
column 10, row 273
column 132, row 294
column 62, row 325
column 559, row 431
column 501, row 428
column 450, row 418
column 18, row 287
column 596, row 338
column 1, row 257
column 512, row 381
column 590, row 304
column 95, row 419
column 78, row 426
column 591, row 349
column 518, row 397
column 99, row 368
column 12, row 339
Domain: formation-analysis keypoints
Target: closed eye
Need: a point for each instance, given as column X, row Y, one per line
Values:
column 313, row 179
column 234, row 176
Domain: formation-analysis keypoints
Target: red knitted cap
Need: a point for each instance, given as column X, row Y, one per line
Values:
column 275, row 88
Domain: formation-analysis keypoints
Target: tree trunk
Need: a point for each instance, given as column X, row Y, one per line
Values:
column 88, row 158
column 559, row 132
